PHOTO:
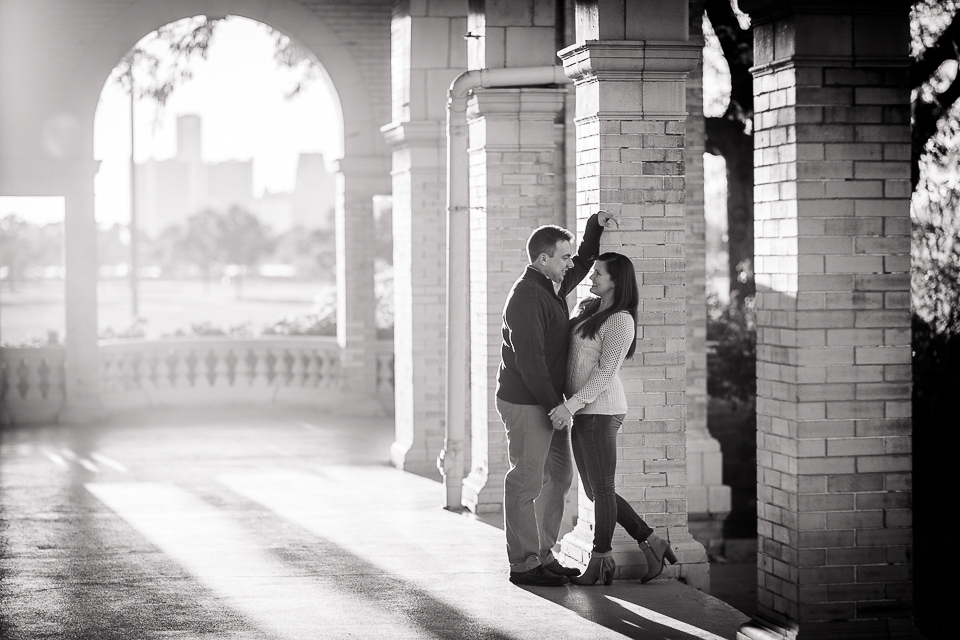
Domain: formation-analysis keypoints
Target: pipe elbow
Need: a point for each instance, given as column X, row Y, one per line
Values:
column 463, row 83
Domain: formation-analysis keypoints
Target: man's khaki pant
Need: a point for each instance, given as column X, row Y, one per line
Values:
column 541, row 471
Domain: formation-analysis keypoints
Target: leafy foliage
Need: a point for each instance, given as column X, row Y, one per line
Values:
column 24, row 245
column 936, row 151
column 730, row 135
column 732, row 365
column 160, row 62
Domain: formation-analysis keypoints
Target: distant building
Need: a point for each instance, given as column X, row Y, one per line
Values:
column 170, row 191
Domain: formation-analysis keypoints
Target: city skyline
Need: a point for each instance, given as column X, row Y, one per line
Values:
column 238, row 91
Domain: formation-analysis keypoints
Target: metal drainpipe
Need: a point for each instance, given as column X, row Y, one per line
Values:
column 458, row 255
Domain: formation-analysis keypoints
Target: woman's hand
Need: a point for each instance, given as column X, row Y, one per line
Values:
column 561, row 417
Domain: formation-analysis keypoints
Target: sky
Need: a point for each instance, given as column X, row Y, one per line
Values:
column 239, row 92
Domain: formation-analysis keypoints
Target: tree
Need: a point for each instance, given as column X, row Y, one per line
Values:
column 242, row 240
column 312, row 252
column 144, row 72
column 934, row 79
column 289, row 55
column 199, row 243
column 16, row 248
column 110, row 245
column 936, row 165
column 731, row 137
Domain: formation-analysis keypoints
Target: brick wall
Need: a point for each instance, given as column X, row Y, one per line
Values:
column 428, row 52
column 512, row 192
column 630, row 160
column 833, row 257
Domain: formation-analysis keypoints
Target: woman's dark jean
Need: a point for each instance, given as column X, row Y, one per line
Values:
column 595, row 450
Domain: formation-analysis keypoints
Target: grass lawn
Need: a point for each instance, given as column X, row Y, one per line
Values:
column 37, row 307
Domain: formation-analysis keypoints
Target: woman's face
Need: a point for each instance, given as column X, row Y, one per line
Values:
column 603, row 284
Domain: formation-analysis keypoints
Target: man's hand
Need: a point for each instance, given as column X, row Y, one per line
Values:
column 607, row 220
column 561, row 417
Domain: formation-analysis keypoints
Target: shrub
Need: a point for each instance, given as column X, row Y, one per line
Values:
column 732, row 364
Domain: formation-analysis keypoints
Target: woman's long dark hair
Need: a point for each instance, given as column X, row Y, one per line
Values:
column 625, row 298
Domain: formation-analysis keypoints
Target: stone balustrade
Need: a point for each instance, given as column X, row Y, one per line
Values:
column 193, row 372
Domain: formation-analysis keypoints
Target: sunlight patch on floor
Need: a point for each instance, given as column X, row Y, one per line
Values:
column 228, row 560
column 390, row 520
column 666, row 621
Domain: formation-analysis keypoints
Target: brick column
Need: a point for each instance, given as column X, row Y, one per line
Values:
column 833, row 312
column 630, row 159
column 82, row 360
column 428, row 52
column 708, row 499
column 512, row 164
column 359, row 179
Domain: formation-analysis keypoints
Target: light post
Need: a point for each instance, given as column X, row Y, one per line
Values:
column 134, row 295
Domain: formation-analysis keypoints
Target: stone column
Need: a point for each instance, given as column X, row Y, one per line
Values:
column 708, row 499
column 359, row 179
column 428, row 53
column 630, row 160
column 513, row 163
column 832, row 225
column 82, row 358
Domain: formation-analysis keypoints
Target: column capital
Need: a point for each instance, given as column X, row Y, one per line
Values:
column 523, row 103
column 629, row 60
column 511, row 119
column 413, row 133
column 816, row 33
column 631, row 79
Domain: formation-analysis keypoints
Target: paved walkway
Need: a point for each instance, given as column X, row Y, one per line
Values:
column 275, row 524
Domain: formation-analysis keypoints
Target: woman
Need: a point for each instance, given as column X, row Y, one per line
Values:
column 603, row 334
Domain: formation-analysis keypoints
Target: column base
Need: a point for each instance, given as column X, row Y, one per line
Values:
column 707, row 529
column 761, row 628
column 692, row 567
column 401, row 458
column 478, row 497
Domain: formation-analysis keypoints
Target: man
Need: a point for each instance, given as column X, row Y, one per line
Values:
column 529, row 385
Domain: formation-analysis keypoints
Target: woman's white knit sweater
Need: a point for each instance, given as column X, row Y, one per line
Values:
column 593, row 367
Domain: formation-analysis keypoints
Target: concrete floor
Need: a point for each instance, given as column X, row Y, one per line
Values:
column 274, row 524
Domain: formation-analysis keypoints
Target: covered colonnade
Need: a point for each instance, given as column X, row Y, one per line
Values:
column 617, row 127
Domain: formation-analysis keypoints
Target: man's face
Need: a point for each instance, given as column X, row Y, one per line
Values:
column 554, row 267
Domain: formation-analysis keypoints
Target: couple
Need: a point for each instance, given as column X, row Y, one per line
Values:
column 534, row 373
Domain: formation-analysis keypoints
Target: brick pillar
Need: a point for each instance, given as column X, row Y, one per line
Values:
column 513, row 162
column 630, row 159
column 428, row 53
column 832, row 225
column 512, row 165
column 708, row 499
column 82, row 360
column 359, row 179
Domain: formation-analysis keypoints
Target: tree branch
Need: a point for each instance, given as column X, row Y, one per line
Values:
column 737, row 46
column 945, row 48
column 926, row 116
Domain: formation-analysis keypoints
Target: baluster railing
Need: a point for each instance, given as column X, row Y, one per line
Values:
column 188, row 371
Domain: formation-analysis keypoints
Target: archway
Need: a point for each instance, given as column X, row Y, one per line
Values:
column 362, row 86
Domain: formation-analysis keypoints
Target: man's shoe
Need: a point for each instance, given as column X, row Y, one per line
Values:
column 537, row 577
column 560, row 570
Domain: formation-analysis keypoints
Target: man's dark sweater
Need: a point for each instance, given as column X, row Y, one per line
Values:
column 536, row 327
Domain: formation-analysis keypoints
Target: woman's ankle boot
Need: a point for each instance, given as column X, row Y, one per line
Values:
column 657, row 553
column 601, row 568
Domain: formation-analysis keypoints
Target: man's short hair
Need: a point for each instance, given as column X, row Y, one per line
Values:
column 545, row 239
